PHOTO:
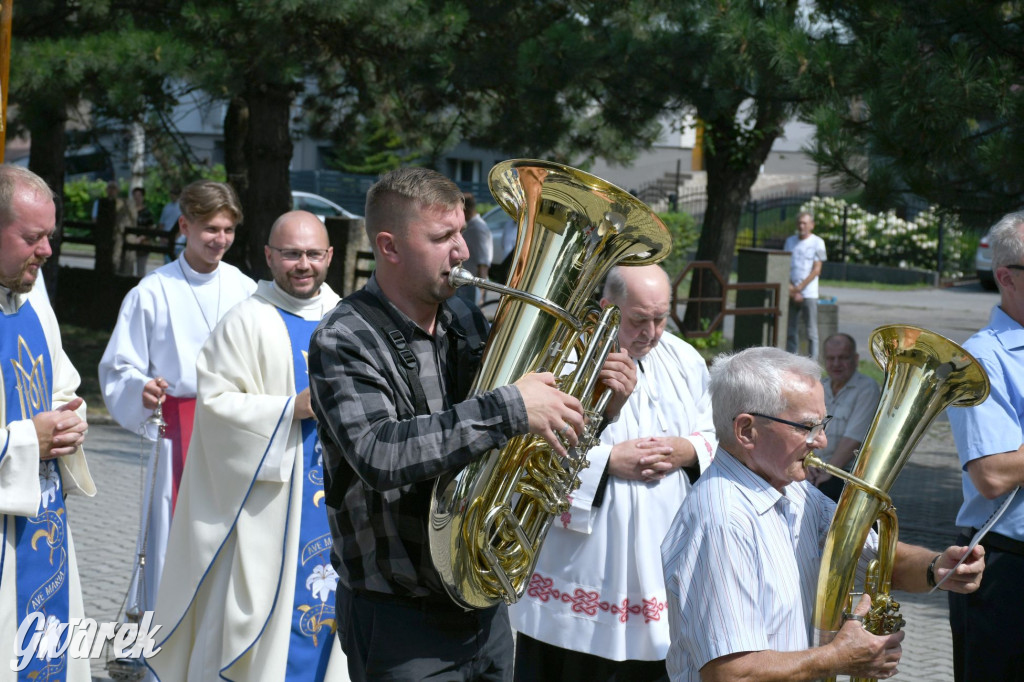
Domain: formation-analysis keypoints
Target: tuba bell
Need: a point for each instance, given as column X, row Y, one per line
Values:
column 488, row 520
column 924, row 374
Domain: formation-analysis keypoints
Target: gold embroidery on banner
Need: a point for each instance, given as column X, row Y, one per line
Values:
column 33, row 384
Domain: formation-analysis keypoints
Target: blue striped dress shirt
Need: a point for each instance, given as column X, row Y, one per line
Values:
column 741, row 566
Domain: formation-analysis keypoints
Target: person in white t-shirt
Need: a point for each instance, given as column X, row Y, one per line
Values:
column 804, row 267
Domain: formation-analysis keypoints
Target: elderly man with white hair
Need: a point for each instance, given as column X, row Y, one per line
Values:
column 742, row 557
column 595, row 605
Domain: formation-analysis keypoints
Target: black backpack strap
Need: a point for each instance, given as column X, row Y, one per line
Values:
column 370, row 307
column 463, row 356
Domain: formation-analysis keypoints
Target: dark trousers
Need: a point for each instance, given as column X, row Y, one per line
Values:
column 988, row 625
column 538, row 661
column 391, row 638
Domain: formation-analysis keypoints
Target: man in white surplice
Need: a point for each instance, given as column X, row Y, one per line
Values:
column 232, row 602
column 595, row 605
column 151, row 356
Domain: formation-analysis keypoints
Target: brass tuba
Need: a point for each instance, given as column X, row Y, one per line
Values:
column 924, row 374
column 488, row 520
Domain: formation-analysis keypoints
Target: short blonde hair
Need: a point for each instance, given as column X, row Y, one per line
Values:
column 204, row 199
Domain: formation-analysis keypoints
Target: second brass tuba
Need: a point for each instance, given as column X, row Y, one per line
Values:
column 488, row 520
column 924, row 374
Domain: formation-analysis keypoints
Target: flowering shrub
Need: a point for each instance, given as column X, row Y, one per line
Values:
column 884, row 239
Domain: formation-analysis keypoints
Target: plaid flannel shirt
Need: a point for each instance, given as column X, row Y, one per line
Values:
column 383, row 456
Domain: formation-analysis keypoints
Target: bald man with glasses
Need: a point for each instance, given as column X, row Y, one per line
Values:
column 742, row 557
column 249, row 588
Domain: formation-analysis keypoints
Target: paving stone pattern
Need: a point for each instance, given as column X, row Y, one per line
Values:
column 105, row 527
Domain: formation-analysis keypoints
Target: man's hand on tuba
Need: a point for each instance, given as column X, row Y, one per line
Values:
column 862, row 654
column 618, row 374
column 554, row 416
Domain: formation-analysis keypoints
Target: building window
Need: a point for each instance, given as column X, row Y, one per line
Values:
column 463, row 170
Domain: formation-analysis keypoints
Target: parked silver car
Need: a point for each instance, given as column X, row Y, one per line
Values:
column 983, row 263
column 319, row 206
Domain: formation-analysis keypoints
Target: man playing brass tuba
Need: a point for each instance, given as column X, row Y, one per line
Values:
column 393, row 414
column 743, row 555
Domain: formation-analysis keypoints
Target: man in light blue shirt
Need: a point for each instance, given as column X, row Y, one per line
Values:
column 986, row 626
column 743, row 554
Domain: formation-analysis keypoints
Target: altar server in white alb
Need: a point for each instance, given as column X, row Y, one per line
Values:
column 595, row 608
column 151, row 356
column 41, row 434
column 248, row 591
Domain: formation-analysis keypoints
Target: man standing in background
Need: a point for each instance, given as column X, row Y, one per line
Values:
column 851, row 398
column 808, row 251
column 481, row 248
column 169, row 220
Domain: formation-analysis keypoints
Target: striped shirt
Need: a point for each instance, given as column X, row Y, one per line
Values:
column 380, row 456
column 741, row 566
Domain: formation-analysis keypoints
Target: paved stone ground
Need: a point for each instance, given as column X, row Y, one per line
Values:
column 105, row 527
column 927, row 496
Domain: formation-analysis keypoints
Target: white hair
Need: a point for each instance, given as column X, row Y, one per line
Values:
column 753, row 380
column 1005, row 241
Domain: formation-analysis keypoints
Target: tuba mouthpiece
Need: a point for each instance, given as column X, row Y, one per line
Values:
column 459, row 276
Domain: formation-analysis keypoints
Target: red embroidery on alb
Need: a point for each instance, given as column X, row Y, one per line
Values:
column 589, row 602
column 707, row 445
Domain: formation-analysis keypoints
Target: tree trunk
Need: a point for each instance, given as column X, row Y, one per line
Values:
column 733, row 159
column 46, row 159
column 236, row 127
column 46, row 155
column 268, row 154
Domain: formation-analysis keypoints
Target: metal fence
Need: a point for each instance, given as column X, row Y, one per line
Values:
column 766, row 220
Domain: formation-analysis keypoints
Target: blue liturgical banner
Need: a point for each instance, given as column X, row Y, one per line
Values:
column 313, row 624
column 41, row 544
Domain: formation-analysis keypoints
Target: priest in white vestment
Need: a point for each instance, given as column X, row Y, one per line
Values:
column 151, row 356
column 248, row 591
column 595, row 607
column 41, row 434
